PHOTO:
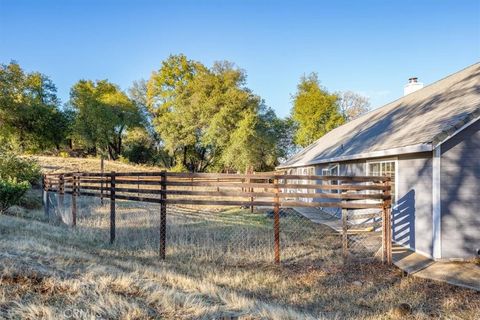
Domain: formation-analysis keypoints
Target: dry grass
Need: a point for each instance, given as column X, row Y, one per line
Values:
column 54, row 272
column 218, row 267
column 52, row 164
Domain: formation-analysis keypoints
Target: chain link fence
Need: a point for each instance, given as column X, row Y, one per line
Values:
column 208, row 231
column 232, row 236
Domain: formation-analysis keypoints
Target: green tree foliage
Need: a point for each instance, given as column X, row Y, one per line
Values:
column 30, row 118
column 139, row 147
column 256, row 143
column 143, row 144
column 16, row 175
column 315, row 111
column 11, row 192
column 198, row 112
column 175, row 119
column 103, row 114
column 15, row 168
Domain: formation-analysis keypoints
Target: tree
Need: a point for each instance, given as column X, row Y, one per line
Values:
column 352, row 105
column 255, row 143
column 30, row 117
column 287, row 129
column 139, row 147
column 168, row 101
column 315, row 111
column 195, row 110
column 103, row 114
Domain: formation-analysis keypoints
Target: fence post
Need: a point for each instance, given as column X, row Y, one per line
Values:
column 46, row 204
column 386, row 225
column 74, row 200
column 112, row 207
column 276, row 222
column 252, row 198
column 43, row 190
column 61, row 196
column 102, row 171
column 344, row 230
column 163, row 214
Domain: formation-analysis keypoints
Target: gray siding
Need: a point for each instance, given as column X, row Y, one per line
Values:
column 356, row 168
column 460, row 194
column 412, row 215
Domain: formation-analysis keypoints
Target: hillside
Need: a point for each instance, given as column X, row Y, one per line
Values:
column 51, row 164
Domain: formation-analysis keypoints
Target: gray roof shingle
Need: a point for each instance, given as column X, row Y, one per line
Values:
column 424, row 117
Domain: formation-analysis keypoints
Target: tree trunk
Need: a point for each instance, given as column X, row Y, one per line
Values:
column 111, row 153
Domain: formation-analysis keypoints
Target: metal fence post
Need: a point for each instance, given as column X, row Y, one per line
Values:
column 276, row 222
column 163, row 214
column 112, row 207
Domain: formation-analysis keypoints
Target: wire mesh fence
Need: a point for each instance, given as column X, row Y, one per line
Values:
column 226, row 234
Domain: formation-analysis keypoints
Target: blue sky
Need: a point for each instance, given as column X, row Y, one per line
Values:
column 371, row 47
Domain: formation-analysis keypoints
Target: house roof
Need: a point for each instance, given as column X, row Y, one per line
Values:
column 414, row 123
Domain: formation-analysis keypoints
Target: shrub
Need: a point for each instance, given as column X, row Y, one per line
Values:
column 11, row 192
column 31, row 200
column 14, row 168
column 179, row 167
column 63, row 154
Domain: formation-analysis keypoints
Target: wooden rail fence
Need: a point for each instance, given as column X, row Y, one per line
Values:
column 349, row 193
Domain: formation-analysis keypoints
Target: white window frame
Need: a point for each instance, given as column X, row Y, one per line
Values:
column 394, row 160
column 328, row 172
column 306, row 171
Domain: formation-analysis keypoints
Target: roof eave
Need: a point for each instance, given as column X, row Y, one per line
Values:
column 421, row 147
column 457, row 128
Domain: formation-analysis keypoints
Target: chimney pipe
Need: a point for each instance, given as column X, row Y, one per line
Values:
column 412, row 86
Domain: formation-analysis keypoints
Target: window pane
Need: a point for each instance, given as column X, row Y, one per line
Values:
column 374, row 169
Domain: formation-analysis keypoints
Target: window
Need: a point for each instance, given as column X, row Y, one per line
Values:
column 307, row 172
column 332, row 170
column 384, row 168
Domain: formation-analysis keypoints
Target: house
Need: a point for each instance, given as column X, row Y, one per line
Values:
column 428, row 142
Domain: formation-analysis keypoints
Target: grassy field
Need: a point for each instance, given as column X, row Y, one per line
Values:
column 52, row 164
column 218, row 266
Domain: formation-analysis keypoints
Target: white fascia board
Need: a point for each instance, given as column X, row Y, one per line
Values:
column 421, row 147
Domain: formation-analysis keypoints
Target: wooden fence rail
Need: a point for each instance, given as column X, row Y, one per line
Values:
column 250, row 190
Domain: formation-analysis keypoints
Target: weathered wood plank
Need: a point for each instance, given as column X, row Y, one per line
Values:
column 364, row 216
column 220, row 202
column 137, row 198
